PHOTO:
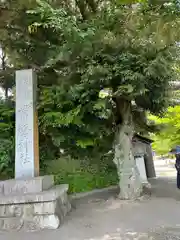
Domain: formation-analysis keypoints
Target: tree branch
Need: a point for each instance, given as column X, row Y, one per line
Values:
column 82, row 8
column 92, row 5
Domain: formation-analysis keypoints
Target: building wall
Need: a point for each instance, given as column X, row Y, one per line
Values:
column 142, row 148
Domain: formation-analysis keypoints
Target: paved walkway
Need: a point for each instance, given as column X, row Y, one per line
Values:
column 165, row 168
column 104, row 217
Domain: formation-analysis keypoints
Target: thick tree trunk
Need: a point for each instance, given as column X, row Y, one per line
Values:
column 129, row 179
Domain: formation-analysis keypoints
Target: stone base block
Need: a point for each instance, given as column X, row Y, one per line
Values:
column 29, row 212
column 24, row 186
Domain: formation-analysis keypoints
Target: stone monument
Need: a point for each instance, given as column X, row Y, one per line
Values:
column 27, row 149
column 30, row 202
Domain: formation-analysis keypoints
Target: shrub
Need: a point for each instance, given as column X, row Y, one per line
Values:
column 83, row 175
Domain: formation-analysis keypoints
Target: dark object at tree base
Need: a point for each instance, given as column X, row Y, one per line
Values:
column 147, row 190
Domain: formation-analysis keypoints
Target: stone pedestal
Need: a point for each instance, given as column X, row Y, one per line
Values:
column 32, row 204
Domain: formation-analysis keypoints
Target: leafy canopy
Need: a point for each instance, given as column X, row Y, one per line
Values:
column 117, row 49
column 81, row 49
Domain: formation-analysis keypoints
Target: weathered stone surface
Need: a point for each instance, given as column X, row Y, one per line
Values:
column 130, row 182
column 45, row 208
column 30, row 226
column 26, row 157
column 47, row 221
column 12, row 224
column 28, row 211
column 22, row 186
column 64, row 198
column 11, row 210
column 31, row 212
column 45, row 196
column 2, row 210
column 54, row 207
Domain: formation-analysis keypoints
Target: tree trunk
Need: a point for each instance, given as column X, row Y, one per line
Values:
column 129, row 179
column 6, row 93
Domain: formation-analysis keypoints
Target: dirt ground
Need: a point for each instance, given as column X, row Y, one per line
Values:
column 104, row 217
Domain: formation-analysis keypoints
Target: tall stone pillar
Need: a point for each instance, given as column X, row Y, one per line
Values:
column 27, row 145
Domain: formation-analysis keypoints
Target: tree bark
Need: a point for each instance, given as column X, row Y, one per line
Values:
column 82, row 8
column 6, row 93
column 129, row 178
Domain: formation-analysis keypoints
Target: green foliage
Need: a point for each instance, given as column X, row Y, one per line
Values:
column 117, row 50
column 7, row 138
column 169, row 134
column 83, row 175
column 80, row 50
column 160, row 145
